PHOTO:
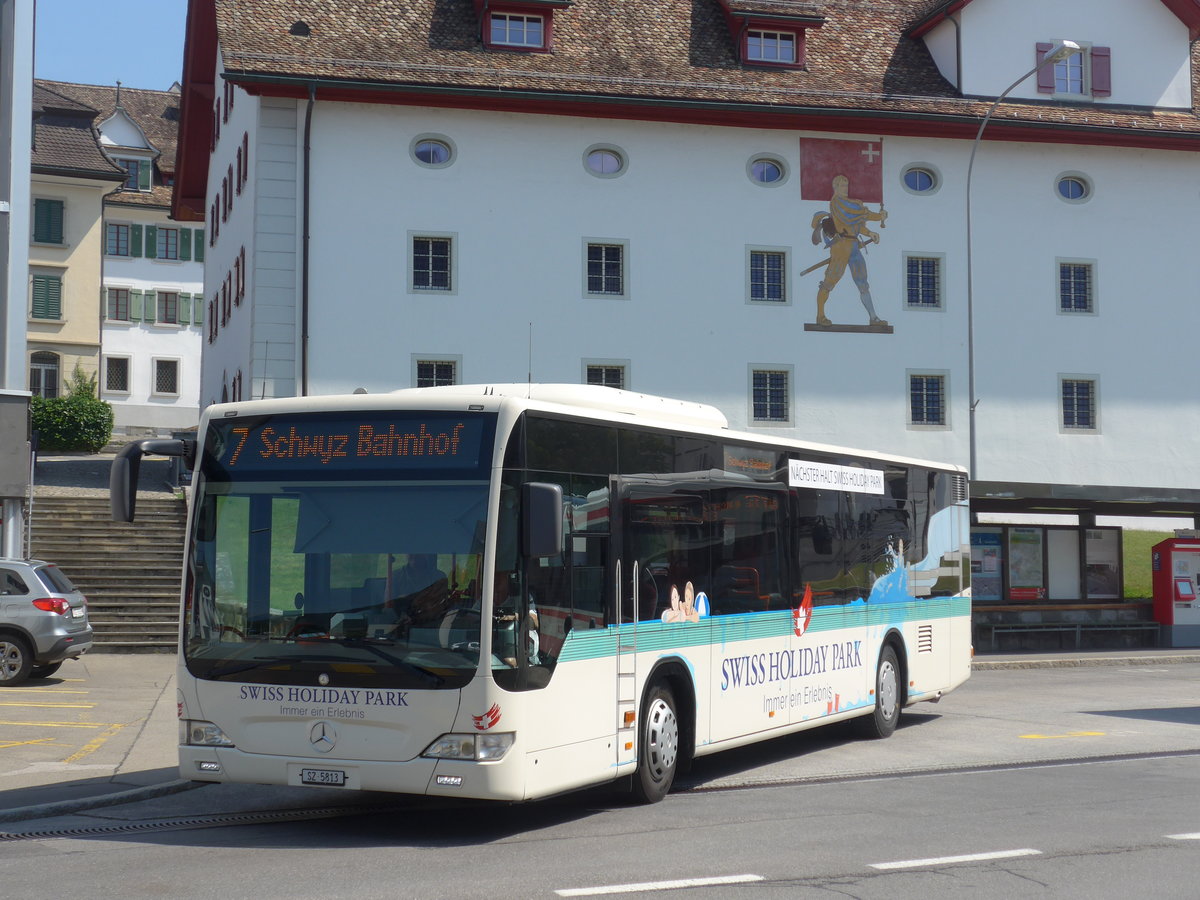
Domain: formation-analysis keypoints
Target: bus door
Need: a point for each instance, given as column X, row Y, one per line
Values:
column 663, row 571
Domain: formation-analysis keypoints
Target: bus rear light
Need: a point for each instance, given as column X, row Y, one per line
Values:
column 473, row 747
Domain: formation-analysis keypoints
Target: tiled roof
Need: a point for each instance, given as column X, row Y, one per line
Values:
column 64, row 137
column 673, row 52
column 155, row 112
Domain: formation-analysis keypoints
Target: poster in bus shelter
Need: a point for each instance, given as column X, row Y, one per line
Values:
column 1026, row 564
column 1103, row 560
column 987, row 557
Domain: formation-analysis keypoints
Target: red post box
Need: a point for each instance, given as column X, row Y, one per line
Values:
column 1175, row 567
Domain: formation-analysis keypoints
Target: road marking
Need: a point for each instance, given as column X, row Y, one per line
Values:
column 51, row 705
column 93, row 745
column 1070, row 734
column 61, row 724
column 41, row 691
column 658, row 885
column 1185, row 837
column 949, row 860
column 7, row 745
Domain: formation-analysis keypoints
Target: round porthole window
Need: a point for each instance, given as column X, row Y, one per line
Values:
column 1074, row 188
column 921, row 179
column 604, row 162
column 767, row 170
column 433, row 151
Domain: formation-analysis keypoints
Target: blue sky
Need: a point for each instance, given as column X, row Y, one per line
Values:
column 136, row 42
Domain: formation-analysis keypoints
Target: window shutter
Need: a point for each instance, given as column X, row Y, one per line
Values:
column 185, row 244
column 135, row 240
column 38, row 310
column 48, row 221
column 51, row 298
column 135, row 306
column 151, row 242
column 1045, row 75
column 150, row 306
column 185, row 309
column 198, row 310
column 104, row 303
column 1101, row 71
column 144, row 170
column 198, row 236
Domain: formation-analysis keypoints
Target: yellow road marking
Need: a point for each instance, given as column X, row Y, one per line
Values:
column 41, row 691
column 94, row 744
column 51, row 705
column 5, row 745
column 1072, row 734
column 61, row 724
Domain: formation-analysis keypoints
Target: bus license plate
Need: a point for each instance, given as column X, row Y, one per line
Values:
column 331, row 777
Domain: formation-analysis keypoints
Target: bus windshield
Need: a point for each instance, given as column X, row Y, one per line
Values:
column 368, row 565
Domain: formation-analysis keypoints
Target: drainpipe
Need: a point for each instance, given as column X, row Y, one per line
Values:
column 958, row 75
column 306, row 202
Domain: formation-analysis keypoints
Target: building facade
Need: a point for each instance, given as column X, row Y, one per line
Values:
column 784, row 209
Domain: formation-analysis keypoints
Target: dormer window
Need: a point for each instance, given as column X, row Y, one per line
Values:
column 516, row 30
column 768, row 32
column 1080, row 75
column 137, row 174
column 525, row 25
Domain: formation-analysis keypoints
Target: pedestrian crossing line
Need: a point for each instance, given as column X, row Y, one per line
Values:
column 93, row 745
column 51, row 705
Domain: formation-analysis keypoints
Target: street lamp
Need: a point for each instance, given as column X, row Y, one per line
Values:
column 1058, row 51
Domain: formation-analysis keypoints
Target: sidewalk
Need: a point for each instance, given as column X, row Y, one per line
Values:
column 103, row 730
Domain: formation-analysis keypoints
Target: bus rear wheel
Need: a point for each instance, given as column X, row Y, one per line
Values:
column 658, row 754
column 886, row 715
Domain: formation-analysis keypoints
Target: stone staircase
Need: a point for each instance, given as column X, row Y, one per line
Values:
column 129, row 571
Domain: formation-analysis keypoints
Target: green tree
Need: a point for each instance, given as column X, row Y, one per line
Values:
column 76, row 421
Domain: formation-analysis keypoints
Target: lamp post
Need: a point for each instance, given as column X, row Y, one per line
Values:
column 1059, row 51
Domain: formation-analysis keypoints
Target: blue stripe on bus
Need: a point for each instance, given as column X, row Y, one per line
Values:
column 653, row 635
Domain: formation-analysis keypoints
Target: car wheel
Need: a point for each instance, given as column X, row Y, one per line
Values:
column 44, row 671
column 15, row 660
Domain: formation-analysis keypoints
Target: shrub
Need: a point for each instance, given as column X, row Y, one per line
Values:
column 76, row 421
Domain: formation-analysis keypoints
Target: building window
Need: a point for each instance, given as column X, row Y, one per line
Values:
column 166, row 377
column 769, row 395
column 768, row 276
column 1078, row 404
column 137, row 174
column 1084, row 74
column 775, row 47
column 604, row 162
column 167, row 243
column 605, row 375
column 432, row 264
column 116, row 374
column 512, row 30
column 436, row 372
column 47, row 297
column 168, row 307
column 432, row 152
column 921, row 180
column 47, row 221
column 43, row 374
column 923, row 282
column 1075, row 288
column 116, row 240
column 605, row 270
column 1073, row 188
column 118, row 305
column 767, row 170
column 926, row 399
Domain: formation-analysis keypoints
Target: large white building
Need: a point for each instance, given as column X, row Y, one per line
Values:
column 633, row 193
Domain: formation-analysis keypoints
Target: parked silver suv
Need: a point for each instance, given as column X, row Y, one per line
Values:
column 43, row 620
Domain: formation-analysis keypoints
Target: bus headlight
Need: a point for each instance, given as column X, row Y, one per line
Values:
column 198, row 733
column 474, row 747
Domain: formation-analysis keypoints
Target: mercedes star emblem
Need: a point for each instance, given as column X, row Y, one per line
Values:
column 323, row 736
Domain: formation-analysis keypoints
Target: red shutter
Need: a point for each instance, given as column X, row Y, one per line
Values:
column 1045, row 75
column 1101, row 71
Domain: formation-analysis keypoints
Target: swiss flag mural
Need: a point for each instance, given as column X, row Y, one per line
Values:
column 860, row 161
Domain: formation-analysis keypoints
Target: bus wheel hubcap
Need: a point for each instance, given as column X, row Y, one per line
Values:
column 662, row 739
column 887, row 690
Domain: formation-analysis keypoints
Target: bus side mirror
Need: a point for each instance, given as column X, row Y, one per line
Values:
column 123, row 476
column 541, row 519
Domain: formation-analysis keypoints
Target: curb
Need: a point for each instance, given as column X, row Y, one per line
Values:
column 66, row 807
column 1077, row 662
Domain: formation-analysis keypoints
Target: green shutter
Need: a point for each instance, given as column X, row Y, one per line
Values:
column 135, row 306
column 198, row 309
column 38, row 310
column 48, row 221
column 47, row 297
column 185, row 309
column 135, row 240
column 150, row 306
column 198, row 234
column 145, row 167
column 151, row 242
column 185, row 244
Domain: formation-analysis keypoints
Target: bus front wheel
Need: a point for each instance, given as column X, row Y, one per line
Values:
column 658, row 755
column 886, row 715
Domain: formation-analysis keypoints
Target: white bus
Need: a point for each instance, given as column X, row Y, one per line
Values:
column 510, row 591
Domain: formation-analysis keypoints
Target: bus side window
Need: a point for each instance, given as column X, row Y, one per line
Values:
column 816, row 547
